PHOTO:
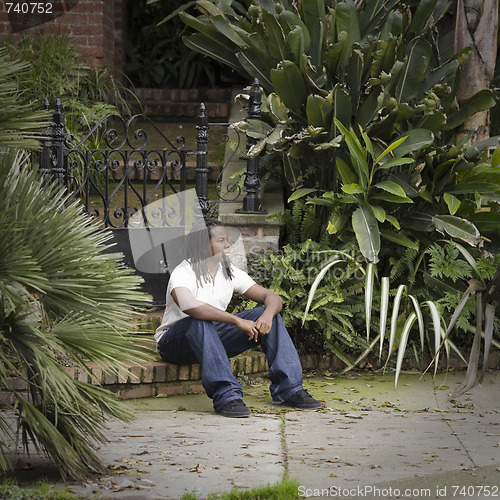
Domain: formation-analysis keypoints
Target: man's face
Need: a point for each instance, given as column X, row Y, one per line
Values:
column 219, row 243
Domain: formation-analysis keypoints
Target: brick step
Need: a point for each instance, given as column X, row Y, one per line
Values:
column 160, row 378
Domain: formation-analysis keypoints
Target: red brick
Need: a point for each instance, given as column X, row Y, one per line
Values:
column 140, row 391
column 160, row 372
column 110, row 377
column 148, row 374
column 97, row 377
column 184, row 372
column 71, row 371
column 195, row 372
column 123, row 376
column 172, row 390
column 82, row 375
column 135, row 374
column 172, row 372
column 197, row 389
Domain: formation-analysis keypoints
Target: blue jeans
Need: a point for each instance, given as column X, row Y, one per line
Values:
column 211, row 344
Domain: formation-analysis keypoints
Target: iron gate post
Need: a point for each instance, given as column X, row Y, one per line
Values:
column 202, row 159
column 52, row 164
column 251, row 201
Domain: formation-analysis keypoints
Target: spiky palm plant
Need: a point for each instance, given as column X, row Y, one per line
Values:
column 62, row 299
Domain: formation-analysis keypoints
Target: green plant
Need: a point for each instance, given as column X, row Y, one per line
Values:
column 332, row 324
column 41, row 490
column 19, row 125
column 287, row 489
column 57, row 71
column 61, row 298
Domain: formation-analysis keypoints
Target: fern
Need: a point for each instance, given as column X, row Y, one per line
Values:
column 445, row 262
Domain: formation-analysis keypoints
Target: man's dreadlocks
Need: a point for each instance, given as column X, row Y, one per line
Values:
column 198, row 250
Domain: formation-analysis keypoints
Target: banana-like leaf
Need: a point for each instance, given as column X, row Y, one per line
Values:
column 384, row 57
column 457, row 228
column 255, row 67
column 300, row 193
column 289, row 85
column 313, row 11
column 415, row 70
column 402, row 345
column 384, row 308
column 346, row 173
column 482, row 100
column 472, row 187
column 416, row 139
column 367, row 232
column 319, row 112
column 399, row 239
column 347, row 21
column 296, row 42
column 275, row 36
column 213, row 49
column 452, row 202
column 317, row 41
column 342, row 106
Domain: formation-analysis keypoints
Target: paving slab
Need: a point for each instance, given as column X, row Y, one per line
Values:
column 371, row 440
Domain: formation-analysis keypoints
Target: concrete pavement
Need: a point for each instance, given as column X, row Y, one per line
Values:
column 370, row 441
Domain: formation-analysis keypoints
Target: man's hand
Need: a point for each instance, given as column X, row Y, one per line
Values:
column 248, row 326
column 264, row 323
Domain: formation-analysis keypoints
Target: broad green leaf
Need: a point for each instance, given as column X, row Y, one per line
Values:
column 358, row 155
column 347, row 20
column 457, row 228
column 213, row 49
column 415, row 70
column 472, row 187
column 223, row 27
column 277, row 108
column 399, row 239
column 275, row 36
column 391, row 187
column 390, row 148
column 482, row 100
column 395, row 162
column 393, row 221
column 300, row 193
column 336, row 223
column 319, row 112
column 422, row 16
column 379, row 213
column 342, row 106
column 255, row 67
column 347, row 175
column 367, row 233
column 289, row 85
column 257, row 129
column 317, row 40
column 352, row 189
column 391, row 198
column 296, row 41
column 453, row 203
column 313, row 11
column 384, row 57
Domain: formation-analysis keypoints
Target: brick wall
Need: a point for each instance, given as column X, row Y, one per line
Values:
column 96, row 27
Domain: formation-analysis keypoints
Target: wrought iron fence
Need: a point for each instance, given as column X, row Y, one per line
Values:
column 117, row 170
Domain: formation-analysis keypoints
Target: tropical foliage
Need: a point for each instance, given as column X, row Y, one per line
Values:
column 360, row 103
column 64, row 300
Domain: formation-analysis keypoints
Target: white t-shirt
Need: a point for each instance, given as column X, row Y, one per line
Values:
column 217, row 293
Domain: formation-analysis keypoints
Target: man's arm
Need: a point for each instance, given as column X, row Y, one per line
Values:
column 201, row 310
column 272, row 302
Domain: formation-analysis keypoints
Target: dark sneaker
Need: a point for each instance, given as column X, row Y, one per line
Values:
column 235, row 408
column 302, row 400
